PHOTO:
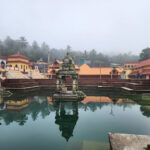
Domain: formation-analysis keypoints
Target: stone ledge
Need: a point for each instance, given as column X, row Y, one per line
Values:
column 128, row 141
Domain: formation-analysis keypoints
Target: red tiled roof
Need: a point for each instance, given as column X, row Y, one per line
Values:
column 133, row 73
column 17, row 56
column 141, row 72
column 143, row 63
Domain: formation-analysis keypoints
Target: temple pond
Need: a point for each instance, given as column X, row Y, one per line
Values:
column 33, row 121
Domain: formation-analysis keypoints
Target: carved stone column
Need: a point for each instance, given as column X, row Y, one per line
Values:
column 57, row 85
column 74, row 85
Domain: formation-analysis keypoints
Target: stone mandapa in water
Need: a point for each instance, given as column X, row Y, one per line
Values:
column 67, row 69
column 69, row 96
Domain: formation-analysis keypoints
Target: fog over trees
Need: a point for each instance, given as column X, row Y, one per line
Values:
column 35, row 51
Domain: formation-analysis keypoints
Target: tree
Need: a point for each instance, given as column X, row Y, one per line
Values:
column 35, row 51
column 11, row 46
column 145, row 54
column 44, row 51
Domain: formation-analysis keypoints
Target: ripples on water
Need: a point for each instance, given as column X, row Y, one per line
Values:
column 34, row 121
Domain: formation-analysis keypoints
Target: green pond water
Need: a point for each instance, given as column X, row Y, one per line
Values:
column 33, row 121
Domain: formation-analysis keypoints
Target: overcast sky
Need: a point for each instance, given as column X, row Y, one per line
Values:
column 105, row 25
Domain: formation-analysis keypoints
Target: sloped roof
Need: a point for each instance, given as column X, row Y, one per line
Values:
column 133, row 73
column 17, row 56
column 143, row 63
column 86, row 70
column 58, row 61
column 50, row 70
column 141, row 72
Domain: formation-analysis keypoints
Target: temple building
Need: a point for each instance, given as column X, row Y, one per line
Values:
column 101, row 72
column 18, row 62
column 54, row 67
column 87, row 71
column 42, row 66
column 20, row 67
column 127, row 69
column 141, row 70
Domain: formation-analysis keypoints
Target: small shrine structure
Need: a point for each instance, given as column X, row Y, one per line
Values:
column 67, row 68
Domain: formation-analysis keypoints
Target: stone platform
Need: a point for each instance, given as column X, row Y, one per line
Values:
column 128, row 141
column 69, row 96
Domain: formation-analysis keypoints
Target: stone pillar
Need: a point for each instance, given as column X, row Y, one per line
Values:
column 74, row 85
column 57, row 85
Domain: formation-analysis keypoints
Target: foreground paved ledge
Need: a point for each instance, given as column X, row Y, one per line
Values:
column 128, row 141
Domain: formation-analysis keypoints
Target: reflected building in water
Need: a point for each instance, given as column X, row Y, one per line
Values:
column 66, row 116
column 65, row 120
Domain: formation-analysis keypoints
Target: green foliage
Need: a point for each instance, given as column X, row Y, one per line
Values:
column 35, row 51
column 145, row 54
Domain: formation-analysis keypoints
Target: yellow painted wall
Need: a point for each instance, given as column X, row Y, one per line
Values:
column 125, row 73
column 146, row 67
column 128, row 71
column 20, row 65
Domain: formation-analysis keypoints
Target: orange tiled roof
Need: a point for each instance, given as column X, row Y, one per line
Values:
column 99, row 99
column 50, row 71
column 86, row 70
column 55, row 65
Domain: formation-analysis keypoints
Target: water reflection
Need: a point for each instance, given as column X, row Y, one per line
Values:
column 66, row 120
column 145, row 110
column 66, row 114
column 19, row 110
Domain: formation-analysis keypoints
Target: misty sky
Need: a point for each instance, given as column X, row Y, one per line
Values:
column 105, row 25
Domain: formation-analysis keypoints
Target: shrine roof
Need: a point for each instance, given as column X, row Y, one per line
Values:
column 18, row 56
